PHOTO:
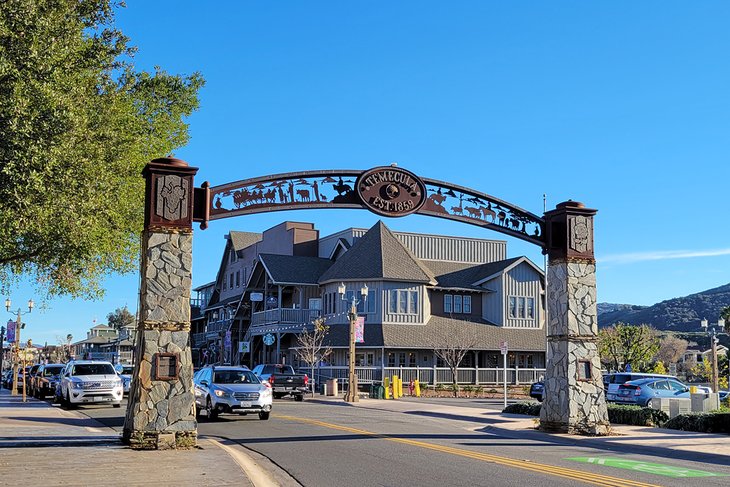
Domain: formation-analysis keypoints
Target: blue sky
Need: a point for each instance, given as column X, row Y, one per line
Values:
column 622, row 105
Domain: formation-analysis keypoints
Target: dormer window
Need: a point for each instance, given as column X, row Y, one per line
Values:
column 457, row 304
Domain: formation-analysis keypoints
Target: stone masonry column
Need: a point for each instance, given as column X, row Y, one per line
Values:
column 574, row 401
column 160, row 412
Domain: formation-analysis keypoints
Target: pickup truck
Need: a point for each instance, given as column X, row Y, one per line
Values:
column 284, row 381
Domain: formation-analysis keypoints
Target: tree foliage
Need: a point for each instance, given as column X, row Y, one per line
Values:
column 725, row 315
column 119, row 318
column 671, row 349
column 77, row 125
column 623, row 344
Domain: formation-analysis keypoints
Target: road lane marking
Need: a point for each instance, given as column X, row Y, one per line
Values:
column 569, row 473
column 256, row 474
column 653, row 468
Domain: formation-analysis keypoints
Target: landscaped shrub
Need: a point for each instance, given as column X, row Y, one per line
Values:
column 701, row 422
column 528, row 408
column 635, row 415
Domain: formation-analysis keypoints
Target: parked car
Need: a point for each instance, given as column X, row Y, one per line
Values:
column 642, row 391
column 231, row 389
column 723, row 395
column 612, row 381
column 47, row 378
column 89, row 382
column 536, row 390
column 125, row 373
column 284, row 381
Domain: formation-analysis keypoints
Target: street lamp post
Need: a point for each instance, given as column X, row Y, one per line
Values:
column 713, row 349
column 18, row 326
column 352, row 388
column 2, row 347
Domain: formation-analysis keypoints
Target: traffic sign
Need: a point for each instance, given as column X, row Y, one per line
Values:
column 503, row 346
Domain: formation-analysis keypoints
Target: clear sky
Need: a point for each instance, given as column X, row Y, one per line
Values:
column 622, row 105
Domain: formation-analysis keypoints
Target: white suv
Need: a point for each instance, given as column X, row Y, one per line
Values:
column 89, row 382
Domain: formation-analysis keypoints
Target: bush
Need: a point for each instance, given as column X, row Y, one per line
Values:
column 701, row 422
column 635, row 415
column 528, row 408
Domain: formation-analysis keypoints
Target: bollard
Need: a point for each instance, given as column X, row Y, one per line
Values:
column 386, row 386
column 417, row 388
column 400, row 387
column 395, row 387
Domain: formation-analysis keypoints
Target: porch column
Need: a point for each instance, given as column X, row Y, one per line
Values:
column 160, row 412
column 574, row 400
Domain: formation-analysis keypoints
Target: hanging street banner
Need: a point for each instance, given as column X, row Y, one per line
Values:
column 244, row 347
column 360, row 329
column 11, row 331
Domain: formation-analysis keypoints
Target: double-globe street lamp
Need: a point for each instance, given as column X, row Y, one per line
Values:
column 352, row 388
column 18, row 326
column 713, row 347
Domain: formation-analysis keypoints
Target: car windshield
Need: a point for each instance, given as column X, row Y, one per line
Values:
column 127, row 369
column 52, row 370
column 93, row 369
column 234, row 377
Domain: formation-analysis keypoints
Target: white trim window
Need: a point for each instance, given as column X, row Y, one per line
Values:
column 457, row 303
column 402, row 301
column 369, row 302
column 521, row 307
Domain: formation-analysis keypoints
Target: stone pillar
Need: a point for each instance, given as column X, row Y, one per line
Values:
column 574, row 401
column 160, row 412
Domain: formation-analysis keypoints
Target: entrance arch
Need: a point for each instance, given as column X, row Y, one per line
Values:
column 160, row 412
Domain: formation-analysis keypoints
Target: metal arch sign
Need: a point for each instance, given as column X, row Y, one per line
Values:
column 385, row 190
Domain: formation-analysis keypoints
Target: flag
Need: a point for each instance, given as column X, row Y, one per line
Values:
column 11, row 331
column 360, row 329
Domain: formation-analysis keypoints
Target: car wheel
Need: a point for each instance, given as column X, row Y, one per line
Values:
column 117, row 405
column 68, row 402
column 264, row 415
column 210, row 411
column 276, row 395
column 299, row 397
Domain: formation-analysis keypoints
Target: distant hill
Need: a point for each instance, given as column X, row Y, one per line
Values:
column 678, row 314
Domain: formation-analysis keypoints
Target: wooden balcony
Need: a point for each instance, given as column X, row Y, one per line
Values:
column 284, row 316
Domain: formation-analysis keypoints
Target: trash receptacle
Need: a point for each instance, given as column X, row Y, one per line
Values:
column 332, row 387
column 380, row 392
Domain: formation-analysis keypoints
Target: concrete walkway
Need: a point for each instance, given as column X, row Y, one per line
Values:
column 44, row 445
column 658, row 441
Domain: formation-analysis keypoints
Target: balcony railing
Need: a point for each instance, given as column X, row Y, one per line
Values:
column 285, row 316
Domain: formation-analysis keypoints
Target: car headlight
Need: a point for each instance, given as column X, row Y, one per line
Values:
column 221, row 393
column 265, row 391
column 77, row 385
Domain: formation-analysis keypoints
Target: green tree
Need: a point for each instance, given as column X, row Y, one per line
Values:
column 120, row 317
column 623, row 344
column 725, row 314
column 77, row 125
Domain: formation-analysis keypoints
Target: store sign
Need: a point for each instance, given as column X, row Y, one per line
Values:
column 244, row 347
column 269, row 339
column 257, row 297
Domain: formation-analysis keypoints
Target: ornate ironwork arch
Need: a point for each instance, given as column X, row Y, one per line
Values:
column 387, row 190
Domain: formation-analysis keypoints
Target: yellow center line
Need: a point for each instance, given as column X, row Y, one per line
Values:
column 569, row 473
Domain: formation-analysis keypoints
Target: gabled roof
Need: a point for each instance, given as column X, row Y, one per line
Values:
column 342, row 245
column 290, row 269
column 378, row 255
column 452, row 275
column 102, row 327
column 241, row 240
column 506, row 266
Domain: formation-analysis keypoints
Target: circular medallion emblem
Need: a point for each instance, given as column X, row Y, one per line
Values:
column 391, row 191
column 269, row 339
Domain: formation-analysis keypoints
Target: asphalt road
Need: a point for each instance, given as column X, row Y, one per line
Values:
column 338, row 445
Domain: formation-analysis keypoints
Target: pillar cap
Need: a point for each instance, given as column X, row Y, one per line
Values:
column 169, row 160
column 570, row 204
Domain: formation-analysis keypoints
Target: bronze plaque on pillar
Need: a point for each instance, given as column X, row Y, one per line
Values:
column 167, row 366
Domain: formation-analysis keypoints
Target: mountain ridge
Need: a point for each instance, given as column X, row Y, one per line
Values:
column 677, row 314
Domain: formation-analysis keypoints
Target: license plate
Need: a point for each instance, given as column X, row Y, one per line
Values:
column 246, row 404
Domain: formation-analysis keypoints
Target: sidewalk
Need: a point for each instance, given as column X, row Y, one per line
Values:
column 44, row 445
column 639, row 439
